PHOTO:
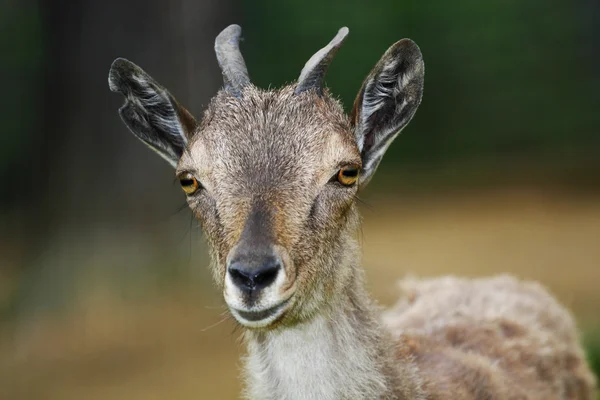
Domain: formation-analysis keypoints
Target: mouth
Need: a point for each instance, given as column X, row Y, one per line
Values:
column 260, row 318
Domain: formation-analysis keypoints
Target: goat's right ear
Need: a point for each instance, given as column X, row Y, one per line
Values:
column 150, row 111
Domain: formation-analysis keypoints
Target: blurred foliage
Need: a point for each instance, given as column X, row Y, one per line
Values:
column 592, row 346
column 505, row 80
column 22, row 49
column 502, row 77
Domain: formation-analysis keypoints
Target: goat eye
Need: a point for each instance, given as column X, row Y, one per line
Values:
column 348, row 176
column 189, row 183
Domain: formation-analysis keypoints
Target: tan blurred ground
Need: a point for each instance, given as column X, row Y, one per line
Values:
column 169, row 348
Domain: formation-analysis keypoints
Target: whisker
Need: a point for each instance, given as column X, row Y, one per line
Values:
column 180, row 208
column 362, row 202
column 215, row 324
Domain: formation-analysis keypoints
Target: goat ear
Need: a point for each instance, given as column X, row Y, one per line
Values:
column 150, row 111
column 387, row 101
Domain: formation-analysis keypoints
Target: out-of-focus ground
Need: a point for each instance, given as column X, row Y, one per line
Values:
column 175, row 345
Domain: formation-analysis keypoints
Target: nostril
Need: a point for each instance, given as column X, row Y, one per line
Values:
column 241, row 278
column 266, row 276
column 249, row 277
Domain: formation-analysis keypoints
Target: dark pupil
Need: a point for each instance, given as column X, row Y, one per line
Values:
column 350, row 173
column 187, row 182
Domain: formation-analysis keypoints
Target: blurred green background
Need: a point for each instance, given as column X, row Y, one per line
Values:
column 104, row 287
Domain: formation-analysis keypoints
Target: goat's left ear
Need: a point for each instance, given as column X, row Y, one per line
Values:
column 150, row 112
column 386, row 103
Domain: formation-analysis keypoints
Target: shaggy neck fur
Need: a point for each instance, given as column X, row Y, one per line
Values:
column 341, row 354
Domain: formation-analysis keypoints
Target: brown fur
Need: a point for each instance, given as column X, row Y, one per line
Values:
column 491, row 339
column 278, row 148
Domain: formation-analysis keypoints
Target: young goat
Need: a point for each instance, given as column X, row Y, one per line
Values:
column 272, row 176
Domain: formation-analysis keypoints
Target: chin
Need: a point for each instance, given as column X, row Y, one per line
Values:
column 261, row 317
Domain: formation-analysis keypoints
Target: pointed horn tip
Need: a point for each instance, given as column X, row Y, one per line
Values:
column 341, row 35
column 314, row 70
column 234, row 28
column 233, row 31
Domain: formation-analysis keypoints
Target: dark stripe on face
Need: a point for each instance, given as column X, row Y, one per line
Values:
column 257, row 235
column 254, row 263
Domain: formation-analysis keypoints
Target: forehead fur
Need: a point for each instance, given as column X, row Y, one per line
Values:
column 269, row 133
column 276, row 108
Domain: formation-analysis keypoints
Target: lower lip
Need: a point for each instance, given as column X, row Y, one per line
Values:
column 261, row 316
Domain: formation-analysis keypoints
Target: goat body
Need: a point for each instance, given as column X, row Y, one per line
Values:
column 272, row 176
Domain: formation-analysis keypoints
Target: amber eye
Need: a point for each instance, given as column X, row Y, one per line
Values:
column 348, row 176
column 188, row 182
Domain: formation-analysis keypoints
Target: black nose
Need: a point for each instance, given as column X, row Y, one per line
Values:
column 254, row 276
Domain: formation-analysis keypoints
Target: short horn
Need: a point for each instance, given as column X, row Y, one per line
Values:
column 227, row 47
column 314, row 70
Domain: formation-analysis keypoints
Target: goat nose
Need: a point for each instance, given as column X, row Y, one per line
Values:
column 250, row 277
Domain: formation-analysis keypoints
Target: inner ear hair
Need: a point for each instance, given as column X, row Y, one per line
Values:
column 150, row 112
column 386, row 102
